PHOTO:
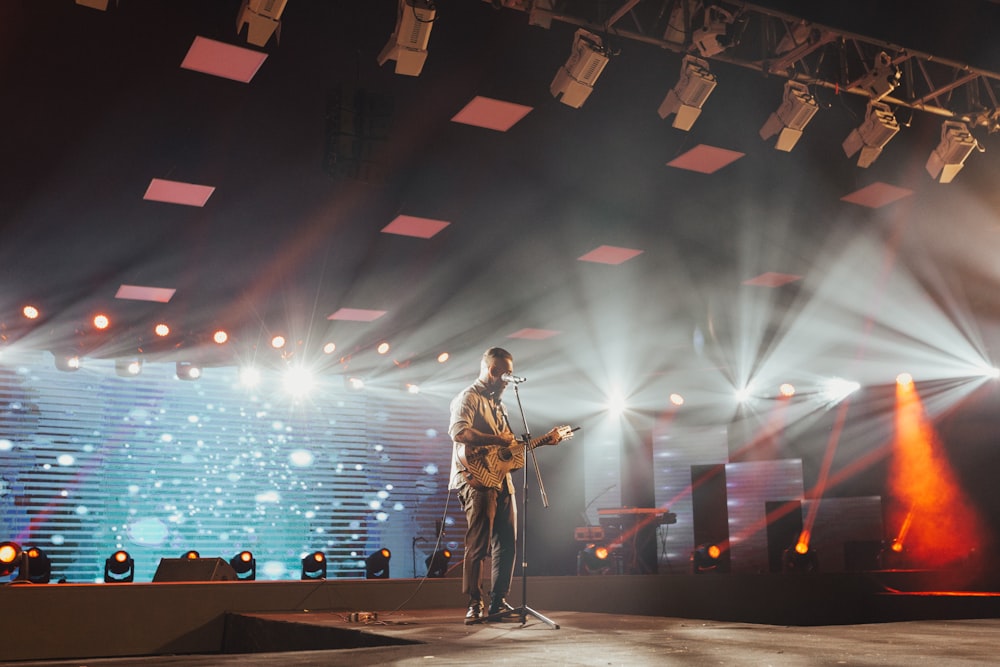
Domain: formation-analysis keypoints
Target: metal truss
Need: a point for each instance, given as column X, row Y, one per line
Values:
column 779, row 44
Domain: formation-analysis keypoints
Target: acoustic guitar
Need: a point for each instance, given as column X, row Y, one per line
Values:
column 487, row 465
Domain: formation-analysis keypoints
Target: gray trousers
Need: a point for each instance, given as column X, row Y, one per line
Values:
column 492, row 531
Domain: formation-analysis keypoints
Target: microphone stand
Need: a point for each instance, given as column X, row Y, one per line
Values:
column 524, row 610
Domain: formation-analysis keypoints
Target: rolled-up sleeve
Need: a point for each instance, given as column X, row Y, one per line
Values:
column 463, row 411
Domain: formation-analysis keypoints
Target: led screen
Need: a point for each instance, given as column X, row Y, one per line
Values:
column 92, row 462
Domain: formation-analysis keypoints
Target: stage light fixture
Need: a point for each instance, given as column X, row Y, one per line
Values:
column 687, row 97
column 948, row 158
column 594, row 559
column 872, row 135
column 119, row 568
column 377, row 564
column 101, row 321
column 314, row 566
column 263, row 18
column 245, row 566
column 186, row 370
column 437, row 563
column 220, row 337
column 30, row 312
column 712, row 38
column 575, row 80
column 128, row 367
column 412, row 388
column 883, row 78
column 408, row 43
column 66, row 361
column 162, row 330
column 443, row 357
column 278, row 342
column 191, row 555
column 36, row 566
column 382, row 348
column 10, row 557
column 904, row 380
column 798, row 106
column 787, row 390
column 799, row 557
column 705, row 558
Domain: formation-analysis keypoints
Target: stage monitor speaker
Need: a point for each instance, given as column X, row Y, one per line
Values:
column 194, row 569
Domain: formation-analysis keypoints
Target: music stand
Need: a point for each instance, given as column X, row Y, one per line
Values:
column 524, row 610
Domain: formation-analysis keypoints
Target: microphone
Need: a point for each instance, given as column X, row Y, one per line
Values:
column 510, row 377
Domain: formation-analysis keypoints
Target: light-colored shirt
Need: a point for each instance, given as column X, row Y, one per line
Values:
column 474, row 408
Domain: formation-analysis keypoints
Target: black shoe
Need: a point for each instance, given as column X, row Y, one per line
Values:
column 498, row 606
column 474, row 613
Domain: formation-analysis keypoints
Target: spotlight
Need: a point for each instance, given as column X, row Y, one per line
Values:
column 575, row 80
column 787, row 390
column 119, row 568
column 883, row 78
column 355, row 383
column 797, row 108
column 329, row 348
column 220, row 337
column 687, row 97
column 712, row 39
column 278, row 342
column 948, row 158
column 128, row 367
column 66, row 361
column 593, row 559
column 10, row 557
column 377, row 564
column 408, row 43
column 872, row 135
column 263, row 17
column 101, row 321
column 191, row 555
column 245, row 566
column 904, row 380
column 382, row 348
column 443, row 357
column 705, row 558
column 677, row 399
column 187, row 371
column 799, row 558
column 437, row 563
column 412, row 388
column 314, row 566
column 36, row 566
column 30, row 312
column 162, row 330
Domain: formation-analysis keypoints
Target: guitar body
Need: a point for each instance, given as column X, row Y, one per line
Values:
column 486, row 466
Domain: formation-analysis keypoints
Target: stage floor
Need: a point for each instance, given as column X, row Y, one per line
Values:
column 439, row 636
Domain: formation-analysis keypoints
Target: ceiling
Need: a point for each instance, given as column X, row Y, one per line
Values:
column 97, row 105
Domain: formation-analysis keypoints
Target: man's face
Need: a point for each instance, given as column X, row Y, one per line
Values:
column 492, row 370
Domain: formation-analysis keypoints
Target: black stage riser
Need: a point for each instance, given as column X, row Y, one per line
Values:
column 56, row 621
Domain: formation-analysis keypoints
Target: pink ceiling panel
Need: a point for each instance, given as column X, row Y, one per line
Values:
column 140, row 293
column 356, row 315
column 705, row 159
column 408, row 225
column 609, row 254
column 225, row 60
column 877, row 195
column 491, row 114
column 175, row 192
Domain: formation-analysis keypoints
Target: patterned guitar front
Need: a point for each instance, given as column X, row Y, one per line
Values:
column 486, row 466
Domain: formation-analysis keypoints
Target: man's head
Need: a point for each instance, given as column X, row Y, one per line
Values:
column 496, row 361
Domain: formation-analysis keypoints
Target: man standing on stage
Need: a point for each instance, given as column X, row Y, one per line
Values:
column 479, row 418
